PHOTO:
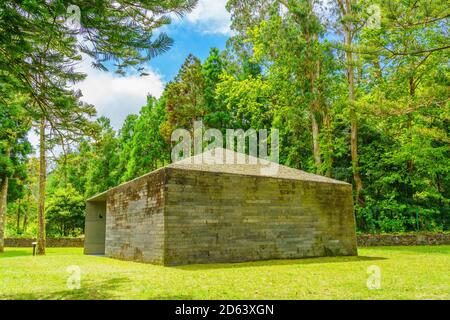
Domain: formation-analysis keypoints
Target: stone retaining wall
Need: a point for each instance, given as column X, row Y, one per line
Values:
column 364, row 240
column 371, row 240
column 50, row 242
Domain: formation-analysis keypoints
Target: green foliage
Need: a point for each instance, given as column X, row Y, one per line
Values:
column 401, row 94
column 39, row 50
column 103, row 160
column 283, row 68
column 22, row 207
column 185, row 97
column 216, row 114
column 14, row 146
column 148, row 150
column 280, row 73
column 65, row 213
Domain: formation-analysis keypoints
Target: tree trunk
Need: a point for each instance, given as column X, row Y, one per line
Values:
column 3, row 205
column 18, row 217
column 314, row 74
column 25, row 222
column 377, row 66
column 25, row 214
column 354, row 151
column 316, row 142
column 328, row 153
column 353, row 115
column 42, row 181
column 412, row 92
column 329, row 144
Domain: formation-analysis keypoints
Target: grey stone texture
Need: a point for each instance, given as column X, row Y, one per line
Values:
column 363, row 240
column 415, row 239
column 135, row 220
column 221, row 217
column 49, row 242
column 188, row 213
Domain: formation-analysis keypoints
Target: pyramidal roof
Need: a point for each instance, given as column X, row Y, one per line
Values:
column 221, row 160
column 227, row 161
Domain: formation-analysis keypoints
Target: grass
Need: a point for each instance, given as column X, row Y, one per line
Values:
column 421, row 272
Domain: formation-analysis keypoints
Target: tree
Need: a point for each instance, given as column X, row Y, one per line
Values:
column 285, row 36
column 149, row 149
column 350, row 26
column 185, row 97
column 101, row 171
column 13, row 151
column 370, row 107
column 124, row 141
column 39, row 52
column 65, row 212
column 406, row 98
column 216, row 115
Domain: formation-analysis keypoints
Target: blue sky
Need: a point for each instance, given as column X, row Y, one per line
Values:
column 116, row 96
column 187, row 40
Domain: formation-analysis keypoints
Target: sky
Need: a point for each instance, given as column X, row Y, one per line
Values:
column 116, row 96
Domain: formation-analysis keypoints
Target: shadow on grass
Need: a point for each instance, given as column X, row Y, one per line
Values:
column 11, row 253
column 266, row 263
column 89, row 291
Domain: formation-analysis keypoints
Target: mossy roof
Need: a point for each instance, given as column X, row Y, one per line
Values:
column 222, row 160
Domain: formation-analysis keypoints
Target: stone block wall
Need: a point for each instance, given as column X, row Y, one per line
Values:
column 363, row 240
column 220, row 217
column 50, row 242
column 416, row 239
column 135, row 220
column 174, row 216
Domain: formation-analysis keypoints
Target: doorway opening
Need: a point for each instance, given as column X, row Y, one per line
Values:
column 95, row 227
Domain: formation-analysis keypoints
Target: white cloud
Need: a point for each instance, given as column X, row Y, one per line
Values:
column 33, row 138
column 210, row 16
column 117, row 96
column 113, row 96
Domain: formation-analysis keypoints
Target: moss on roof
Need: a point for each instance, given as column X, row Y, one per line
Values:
column 226, row 161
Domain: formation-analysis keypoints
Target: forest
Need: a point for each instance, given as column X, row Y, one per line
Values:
column 359, row 91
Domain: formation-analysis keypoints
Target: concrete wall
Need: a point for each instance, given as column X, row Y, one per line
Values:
column 218, row 217
column 135, row 220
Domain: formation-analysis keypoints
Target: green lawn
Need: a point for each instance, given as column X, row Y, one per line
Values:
column 406, row 273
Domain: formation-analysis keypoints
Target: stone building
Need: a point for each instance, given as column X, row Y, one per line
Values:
column 193, row 212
